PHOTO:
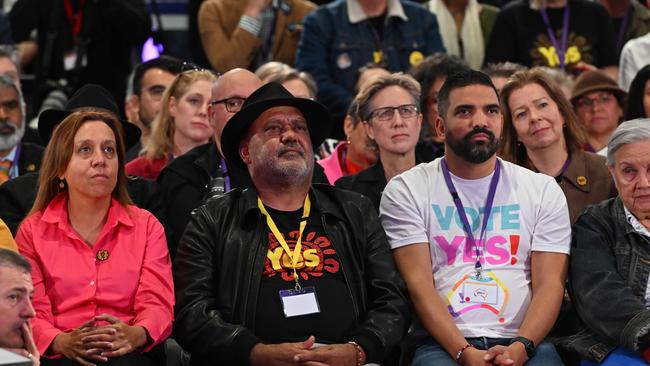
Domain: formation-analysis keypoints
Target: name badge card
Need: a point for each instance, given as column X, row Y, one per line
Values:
column 481, row 292
column 296, row 302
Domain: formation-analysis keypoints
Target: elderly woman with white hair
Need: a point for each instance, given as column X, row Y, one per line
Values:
column 610, row 259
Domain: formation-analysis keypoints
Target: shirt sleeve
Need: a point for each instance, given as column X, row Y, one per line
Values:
column 400, row 215
column 552, row 231
column 154, row 299
column 43, row 327
column 626, row 69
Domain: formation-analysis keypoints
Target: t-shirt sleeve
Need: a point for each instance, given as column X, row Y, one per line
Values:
column 552, row 231
column 400, row 214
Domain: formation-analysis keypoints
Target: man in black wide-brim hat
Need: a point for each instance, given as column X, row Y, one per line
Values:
column 268, row 274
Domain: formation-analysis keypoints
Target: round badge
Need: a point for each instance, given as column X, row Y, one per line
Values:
column 581, row 180
column 416, row 57
column 343, row 61
column 102, row 255
column 31, row 167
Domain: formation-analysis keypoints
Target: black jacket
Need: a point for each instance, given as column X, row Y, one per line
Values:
column 30, row 158
column 17, row 197
column 184, row 185
column 219, row 264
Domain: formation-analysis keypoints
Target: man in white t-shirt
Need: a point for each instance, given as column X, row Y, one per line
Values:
column 494, row 302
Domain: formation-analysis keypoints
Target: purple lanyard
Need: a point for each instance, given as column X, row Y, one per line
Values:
column 622, row 28
column 565, row 30
column 565, row 166
column 463, row 216
column 224, row 170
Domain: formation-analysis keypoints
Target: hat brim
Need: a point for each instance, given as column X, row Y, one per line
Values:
column 619, row 93
column 50, row 118
column 318, row 119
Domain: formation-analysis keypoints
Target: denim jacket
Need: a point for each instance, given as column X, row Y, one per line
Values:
column 332, row 49
column 610, row 263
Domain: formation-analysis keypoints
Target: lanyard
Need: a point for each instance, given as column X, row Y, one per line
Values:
column 565, row 30
column 622, row 29
column 463, row 216
column 75, row 19
column 295, row 256
column 224, row 170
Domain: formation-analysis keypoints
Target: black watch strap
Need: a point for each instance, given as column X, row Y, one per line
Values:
column 528, row 345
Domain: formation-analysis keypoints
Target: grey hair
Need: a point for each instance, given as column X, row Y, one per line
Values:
column 7, row 82
column 9, row 258
column 627, row 132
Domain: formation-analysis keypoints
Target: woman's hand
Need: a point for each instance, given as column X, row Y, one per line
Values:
column 71, row 345
column 119, row 337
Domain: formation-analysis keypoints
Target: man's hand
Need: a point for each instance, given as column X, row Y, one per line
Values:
column 29, row 349
column 512, row 355
column 474, row 357
column 117, row 338
column 331, row 355
column 278, row 354
column 70, row 345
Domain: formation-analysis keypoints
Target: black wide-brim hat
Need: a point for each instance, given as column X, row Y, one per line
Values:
column 89, row 95
column 266, row 97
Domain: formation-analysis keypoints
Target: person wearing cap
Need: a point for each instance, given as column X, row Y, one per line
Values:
column 600, row 104
column 16, row 157
column 17, row 195
column 103, row 290
column 285, row 271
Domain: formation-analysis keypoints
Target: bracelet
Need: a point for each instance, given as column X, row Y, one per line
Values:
column 359, row 352
column 460, row 353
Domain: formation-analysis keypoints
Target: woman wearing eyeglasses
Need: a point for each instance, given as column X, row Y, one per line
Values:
column 388, row 107
column 542, row 133
column 181, row 125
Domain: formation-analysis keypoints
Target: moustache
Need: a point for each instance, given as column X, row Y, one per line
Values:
column 292, row 147
column 478, row 130
column 5, row 124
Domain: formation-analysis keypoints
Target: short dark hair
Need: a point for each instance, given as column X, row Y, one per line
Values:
column 166, row 63
column 460, row 80
column 433, row 67
column 9, row 258
column 635, row 97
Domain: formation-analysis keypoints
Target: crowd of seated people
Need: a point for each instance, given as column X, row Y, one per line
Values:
column 345, row 182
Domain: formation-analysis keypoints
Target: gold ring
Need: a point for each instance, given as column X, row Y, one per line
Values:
column 29, row 355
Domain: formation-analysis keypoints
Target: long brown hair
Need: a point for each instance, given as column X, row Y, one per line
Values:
column 59, row 152
column 574, row 135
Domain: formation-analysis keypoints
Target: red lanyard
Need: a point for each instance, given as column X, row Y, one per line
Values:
column 75, row 19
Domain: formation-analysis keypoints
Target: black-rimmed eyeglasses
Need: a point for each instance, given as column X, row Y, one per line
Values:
column 233, row 105
column 384, row 114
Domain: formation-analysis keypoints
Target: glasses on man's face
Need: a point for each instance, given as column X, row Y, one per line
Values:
column 384, row 114
column 233, row 105
column 589, row 103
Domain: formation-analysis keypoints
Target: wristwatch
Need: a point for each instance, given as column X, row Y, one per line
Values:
column 528, row 345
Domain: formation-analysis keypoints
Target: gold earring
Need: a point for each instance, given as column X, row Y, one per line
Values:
column 347, row 138
column 61, row 183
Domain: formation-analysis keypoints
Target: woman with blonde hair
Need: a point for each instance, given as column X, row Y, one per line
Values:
column 542, row 132
column 103, row 290
column 181, row 125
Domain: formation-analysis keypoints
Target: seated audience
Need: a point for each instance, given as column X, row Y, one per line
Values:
column 465, row 27
column 252, row 289
column 16, row 157
column 103, row 290
column 500, row 72
column 638, row 98
column 634, row 57
column 354, row 154
column 481, row 243
column 345, row 35
column 16, row 308
column 542, row 133
column 181, row 125
column 392, row 119
column 248, row 33
column 572, row 35
column 150, row 79
column 609, row 254
column 431, row 74
column 600, row 104
column 271, row 68
column 563, row 79
column 6, row 237
column 299, row 83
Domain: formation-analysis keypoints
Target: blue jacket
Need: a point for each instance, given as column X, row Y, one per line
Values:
column 332, row 49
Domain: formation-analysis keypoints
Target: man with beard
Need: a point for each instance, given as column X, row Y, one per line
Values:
column 263, row 273
column 16, row 157
column 482, row 244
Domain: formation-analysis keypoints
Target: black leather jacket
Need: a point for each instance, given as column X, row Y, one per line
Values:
column 610, row 264
column 220, row 259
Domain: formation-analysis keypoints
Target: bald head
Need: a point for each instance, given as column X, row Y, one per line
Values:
column 236, row 83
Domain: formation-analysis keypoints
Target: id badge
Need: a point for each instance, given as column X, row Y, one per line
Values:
column 483, row 291
column 299, row 302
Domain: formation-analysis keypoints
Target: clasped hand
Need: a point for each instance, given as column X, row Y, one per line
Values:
column 96, row 343
column 302, row 353
column 513, row 355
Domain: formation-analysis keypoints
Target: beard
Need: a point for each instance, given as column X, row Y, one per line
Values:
column 273, row 164
column 474, row 152
column 10, row 140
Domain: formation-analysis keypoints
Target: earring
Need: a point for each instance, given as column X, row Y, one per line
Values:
column 347, row 138
column 61, row 183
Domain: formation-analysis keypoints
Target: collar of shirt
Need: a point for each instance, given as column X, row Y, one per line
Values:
column 13, row 171
column 357, row 15
column 638, row 227
column 57, row 213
